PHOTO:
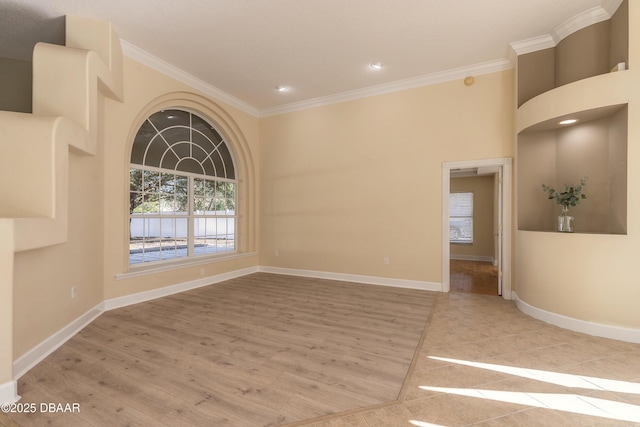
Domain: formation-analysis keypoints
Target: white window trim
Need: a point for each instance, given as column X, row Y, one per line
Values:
column 191, row 215
column 144, row 269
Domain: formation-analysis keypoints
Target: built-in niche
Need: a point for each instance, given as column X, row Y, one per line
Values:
column 591, row 51
column 596, row 147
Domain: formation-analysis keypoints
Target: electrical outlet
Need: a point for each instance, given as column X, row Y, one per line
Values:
column 385, row 260
column 276, row 252
column 73, row 292
column 202, row 271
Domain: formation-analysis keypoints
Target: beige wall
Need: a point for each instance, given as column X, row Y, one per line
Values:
column 587, row 276
column 593, row 148
column 44, row 277
column 590, row 51
column 620, row 36
column 535, row 211
column 97, row 249
column 15, row 85
column 536, row 74
column 346, row 185
column 336, row 189
column 340, row 194
column 617, row 169
column 583, row 150
column 148, row 91
column 482, row 188
column 583, row 54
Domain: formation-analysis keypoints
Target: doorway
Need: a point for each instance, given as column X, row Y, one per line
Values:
column 500, row 263
column 472, row 276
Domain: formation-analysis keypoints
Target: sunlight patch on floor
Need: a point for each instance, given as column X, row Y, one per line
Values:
column 558, row 378
column 561, row 402
column 423, row 424
column 574, row 403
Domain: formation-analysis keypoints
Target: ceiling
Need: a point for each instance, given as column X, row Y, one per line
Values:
column 241, row 50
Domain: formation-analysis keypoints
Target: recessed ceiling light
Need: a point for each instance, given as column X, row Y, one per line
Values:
column 376, row 65
column 282, row 88
column 568, row 122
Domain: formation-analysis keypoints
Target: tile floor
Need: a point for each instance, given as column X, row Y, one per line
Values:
column 484, row 363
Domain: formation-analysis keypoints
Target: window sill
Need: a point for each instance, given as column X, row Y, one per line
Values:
column 143, row 270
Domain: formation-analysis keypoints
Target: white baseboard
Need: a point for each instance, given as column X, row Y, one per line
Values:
column 34, row 356
column 9, row 392
column 597, row 329
column 126, row 300
column 473, row 258
column 370, row 280
column 38, row 353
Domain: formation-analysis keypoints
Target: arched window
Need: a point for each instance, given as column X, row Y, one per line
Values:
column 182, row 190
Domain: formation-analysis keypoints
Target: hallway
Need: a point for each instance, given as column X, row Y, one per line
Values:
column 476, row 277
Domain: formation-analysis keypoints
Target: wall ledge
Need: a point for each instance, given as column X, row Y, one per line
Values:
column 620, row 333
column 144, row 270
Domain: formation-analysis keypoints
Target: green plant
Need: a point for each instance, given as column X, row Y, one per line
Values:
column 571, row 196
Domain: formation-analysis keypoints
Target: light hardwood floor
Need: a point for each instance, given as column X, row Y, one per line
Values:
column 476, row 277
column 480, row 362
column 261, row 350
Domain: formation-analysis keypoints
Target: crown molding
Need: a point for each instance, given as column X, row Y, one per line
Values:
column 578, row 22
column 411, row 83
column 533, row 44
column 182, row 76
column 589, row 17
column 611, row 6
column 170, row 70
column 570, row 26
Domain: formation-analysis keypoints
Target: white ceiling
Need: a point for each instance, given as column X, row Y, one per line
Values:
column 241, row 50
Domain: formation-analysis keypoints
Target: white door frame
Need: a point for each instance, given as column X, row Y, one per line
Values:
column 504, row 228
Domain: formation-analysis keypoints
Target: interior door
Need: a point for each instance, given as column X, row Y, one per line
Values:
column 500, row 229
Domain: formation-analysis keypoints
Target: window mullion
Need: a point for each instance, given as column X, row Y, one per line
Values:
column 159, row 180
column 191, row 230
column 461, row 217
